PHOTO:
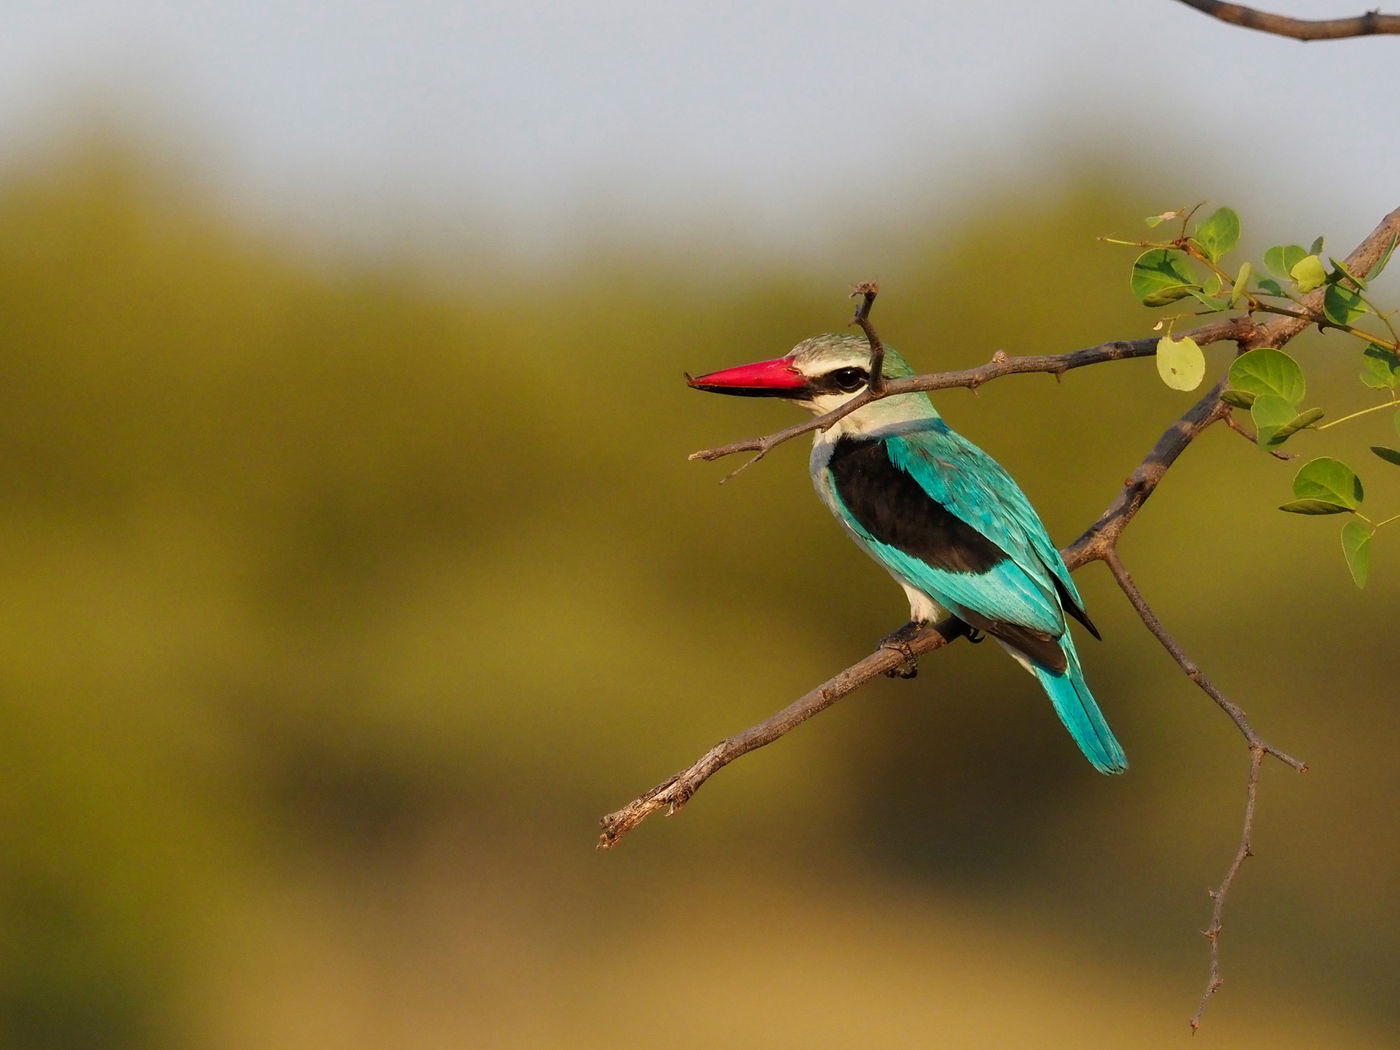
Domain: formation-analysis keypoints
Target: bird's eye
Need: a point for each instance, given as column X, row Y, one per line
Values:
column 849, row 380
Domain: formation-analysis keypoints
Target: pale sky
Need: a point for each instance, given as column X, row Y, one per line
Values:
column 654, row 116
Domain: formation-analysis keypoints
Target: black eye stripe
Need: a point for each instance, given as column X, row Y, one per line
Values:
column 842, row 380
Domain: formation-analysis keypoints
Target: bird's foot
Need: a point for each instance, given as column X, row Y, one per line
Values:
column 975, row 637
column 899, row 641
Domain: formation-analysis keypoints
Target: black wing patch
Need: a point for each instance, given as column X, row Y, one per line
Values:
column 893, row 508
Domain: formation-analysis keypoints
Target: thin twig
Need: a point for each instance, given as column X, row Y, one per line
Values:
column 868, row 290
column 1189, row 666
column 1217, row 895
column 1368, row 24
column 1258, row 748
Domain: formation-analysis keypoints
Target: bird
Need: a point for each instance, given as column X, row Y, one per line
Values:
column 943, row 517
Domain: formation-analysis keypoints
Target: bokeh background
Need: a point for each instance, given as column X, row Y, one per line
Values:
column 354, row 567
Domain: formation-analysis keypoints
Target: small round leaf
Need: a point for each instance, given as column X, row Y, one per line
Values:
column 1180, row 362
column 1329, row 480
column 1281, row 258
column 1237, row 292
column 1356, row 547
column 1390, row 455
column 1268, row 371
column 1385, row 258
column 1379, row 368
column 1341, row 305
column 1308, row 273
column 1312, row 506
column 1271, row 414
column 1301, row 421
column 1161, row 276
column 1219, row 233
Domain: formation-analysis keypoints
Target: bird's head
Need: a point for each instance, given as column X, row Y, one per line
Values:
column 820, row 374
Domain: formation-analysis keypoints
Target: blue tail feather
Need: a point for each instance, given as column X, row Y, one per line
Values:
column 1081, row 715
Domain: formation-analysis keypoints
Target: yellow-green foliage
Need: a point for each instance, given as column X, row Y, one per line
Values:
column 341, row 600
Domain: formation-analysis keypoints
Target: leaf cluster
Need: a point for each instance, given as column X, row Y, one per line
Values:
column 1266, row 382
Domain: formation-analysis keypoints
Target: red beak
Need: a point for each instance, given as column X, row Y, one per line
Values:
column 779, row 378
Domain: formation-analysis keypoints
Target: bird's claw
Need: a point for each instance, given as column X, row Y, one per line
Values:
column 975, row 637
column 899, row 641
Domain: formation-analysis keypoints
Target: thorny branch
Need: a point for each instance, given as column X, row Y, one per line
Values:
column 1217, row 895
column 1368, row 24
column 1098, row 543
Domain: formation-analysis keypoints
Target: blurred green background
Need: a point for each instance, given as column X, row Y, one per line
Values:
column 345, row 591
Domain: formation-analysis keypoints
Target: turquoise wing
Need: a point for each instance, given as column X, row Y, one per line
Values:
column 972, row 486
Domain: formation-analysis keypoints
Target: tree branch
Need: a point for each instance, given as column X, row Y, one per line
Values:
column 1001, row 364
column 1258, row 748
column 1100, row 538
column 675, row 791
column 1189, row 667
column 1369, row 24
column 1099, row 542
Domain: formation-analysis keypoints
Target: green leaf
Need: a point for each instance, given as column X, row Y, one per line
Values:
column 1385, row 258
column 1311, row 506
column 1238, row 398
column 1281, row 258
column 1211, row 302
column 1316, row 248
column 1341, row 305
column 1390, row 455
column 1219, row 233
column 1380, row 369
column 1329, row 480
column 1356, row 547
column 1308, row 273
column 1157, row 220
column 1180, row 362
column 1237, row 293
column 1161, row 276
column 1270, row 287
column 1271, row 414
column 1297, row 423
column 1268, row 371
column 1339, row 271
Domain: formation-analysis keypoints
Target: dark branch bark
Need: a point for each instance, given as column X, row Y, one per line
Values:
column 1369, row 24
